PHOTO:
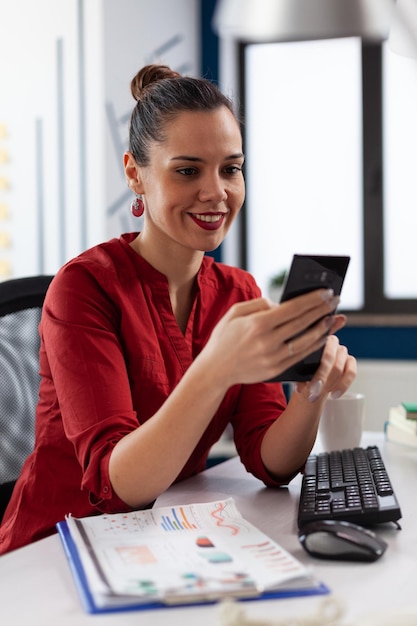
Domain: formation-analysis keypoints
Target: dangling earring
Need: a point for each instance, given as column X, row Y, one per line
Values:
column 137, row 207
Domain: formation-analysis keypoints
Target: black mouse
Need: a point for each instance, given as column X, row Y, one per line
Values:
column 342, row 541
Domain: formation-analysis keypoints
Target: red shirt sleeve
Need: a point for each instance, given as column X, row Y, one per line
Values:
column 257, row 408
column 89, row 376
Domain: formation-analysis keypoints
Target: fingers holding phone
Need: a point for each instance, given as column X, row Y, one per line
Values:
column 335, row 374
column 309, row 273
column 251, row 342
column 295, row 348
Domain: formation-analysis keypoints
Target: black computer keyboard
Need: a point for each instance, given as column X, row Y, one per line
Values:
column 351, row 485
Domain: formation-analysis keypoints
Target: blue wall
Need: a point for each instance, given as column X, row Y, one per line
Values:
column 380, row 342
column 209, row 62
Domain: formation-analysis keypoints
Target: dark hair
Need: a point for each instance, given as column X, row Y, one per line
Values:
column 161, row 94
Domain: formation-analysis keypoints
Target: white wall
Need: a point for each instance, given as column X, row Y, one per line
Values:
column 37, row 51
column 385, row 384
column 62, row 63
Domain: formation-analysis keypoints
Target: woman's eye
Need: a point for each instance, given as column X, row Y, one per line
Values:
column 187, row 171
column 233, row 169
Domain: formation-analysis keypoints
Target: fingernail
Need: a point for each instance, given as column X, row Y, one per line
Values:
column 327, row 294
column 328, row 321
column 333, row 302
column 315, row 390
column 335, row 394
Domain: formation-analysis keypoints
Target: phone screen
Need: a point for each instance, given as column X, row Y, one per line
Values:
column 307, row 273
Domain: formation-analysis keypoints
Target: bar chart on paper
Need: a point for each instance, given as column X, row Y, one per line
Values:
column 178, row 520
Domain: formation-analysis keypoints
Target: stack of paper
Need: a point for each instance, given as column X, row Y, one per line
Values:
column 178, row 555
column 401, row 426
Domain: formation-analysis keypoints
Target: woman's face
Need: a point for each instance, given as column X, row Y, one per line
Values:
column 193, row 187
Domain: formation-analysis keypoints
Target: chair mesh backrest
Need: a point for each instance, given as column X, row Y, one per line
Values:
column 19, row 372
column 19, row 386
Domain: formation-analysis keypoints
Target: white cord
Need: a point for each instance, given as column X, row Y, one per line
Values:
column 329, row 613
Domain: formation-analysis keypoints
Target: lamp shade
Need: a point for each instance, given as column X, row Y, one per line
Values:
column 403, row 33
column 261, row 21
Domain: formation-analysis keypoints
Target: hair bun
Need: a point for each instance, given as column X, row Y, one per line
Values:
column 148, row 75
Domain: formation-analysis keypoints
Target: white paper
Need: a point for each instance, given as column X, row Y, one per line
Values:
column 181, row 553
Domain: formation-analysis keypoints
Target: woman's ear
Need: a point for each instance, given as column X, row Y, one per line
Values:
column 132, row 172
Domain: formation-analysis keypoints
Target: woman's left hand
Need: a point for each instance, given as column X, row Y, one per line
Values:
column 336, row 372
column 290, row 438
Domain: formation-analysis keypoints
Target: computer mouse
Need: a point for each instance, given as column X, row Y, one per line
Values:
column 339, row 540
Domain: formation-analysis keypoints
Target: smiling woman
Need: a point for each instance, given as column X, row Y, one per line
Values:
column 194, row 151
column 150, row 349
column 200, row 186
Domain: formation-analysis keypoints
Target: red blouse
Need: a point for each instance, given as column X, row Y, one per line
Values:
column 111, row 352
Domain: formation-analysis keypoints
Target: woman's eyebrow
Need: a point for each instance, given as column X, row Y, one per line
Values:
column 185, row 157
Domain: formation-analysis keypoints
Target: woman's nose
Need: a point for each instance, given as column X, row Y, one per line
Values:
column 213, row 189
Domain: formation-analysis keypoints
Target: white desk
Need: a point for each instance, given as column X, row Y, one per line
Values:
column 36, row 586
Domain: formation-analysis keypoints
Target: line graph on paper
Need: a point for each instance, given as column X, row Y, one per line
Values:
column 192, row 517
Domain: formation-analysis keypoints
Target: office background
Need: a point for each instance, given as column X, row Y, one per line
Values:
column 65, row 69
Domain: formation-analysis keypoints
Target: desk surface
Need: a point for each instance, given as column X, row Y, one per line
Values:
column 36, row 585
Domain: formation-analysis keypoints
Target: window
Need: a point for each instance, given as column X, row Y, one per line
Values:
column 400, row 180
column 325, row 145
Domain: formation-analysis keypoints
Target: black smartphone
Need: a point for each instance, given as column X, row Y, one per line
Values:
column 307, row 273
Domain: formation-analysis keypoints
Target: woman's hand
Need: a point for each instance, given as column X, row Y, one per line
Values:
column 254, row 341
column 336, row 372
column 290, row 438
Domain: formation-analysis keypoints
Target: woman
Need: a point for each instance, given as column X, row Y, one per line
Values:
column 149, row 349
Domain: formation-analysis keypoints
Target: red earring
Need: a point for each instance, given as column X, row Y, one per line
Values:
column 137, row 207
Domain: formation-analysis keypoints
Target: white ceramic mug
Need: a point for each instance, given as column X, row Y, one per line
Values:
column 341, row 422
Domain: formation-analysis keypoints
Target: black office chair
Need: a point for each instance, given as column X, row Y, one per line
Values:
column 21, row 301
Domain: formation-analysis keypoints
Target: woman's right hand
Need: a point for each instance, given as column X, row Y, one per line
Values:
column 253, row 341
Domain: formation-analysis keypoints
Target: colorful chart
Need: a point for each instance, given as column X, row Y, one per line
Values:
column 177, row 521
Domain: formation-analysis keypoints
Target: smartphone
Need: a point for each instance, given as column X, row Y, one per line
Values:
column 307, row 273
